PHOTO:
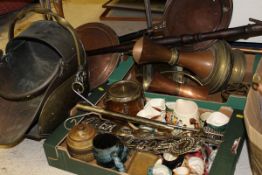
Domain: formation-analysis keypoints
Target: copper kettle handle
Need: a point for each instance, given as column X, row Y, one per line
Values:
column 79, row 83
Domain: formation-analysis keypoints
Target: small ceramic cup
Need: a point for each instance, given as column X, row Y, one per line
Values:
column 159, row 169
column 218, row 121
column 181, row 171
column 186, row 111
column 196, row 165
column 203, row 117
column 172, row 161
column 109, row 151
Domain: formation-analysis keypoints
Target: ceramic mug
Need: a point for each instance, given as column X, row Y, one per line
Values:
column 109, row 151
column 186, row 112
column 218, row 121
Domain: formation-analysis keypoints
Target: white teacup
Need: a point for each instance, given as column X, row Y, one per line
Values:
column 186, row 110
column 181, row 171
column 196, row 165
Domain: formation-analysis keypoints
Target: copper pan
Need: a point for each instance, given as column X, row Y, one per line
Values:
column 93, row 36
column 192, row 16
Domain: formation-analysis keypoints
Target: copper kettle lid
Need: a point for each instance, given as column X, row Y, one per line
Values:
column 93, row 36
column 191, row 17
column 81, row 136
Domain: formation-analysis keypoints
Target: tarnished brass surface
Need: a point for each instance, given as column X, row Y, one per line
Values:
column 239, row 67
column 16, row 117
column 222, row 67
column 38, row 60
column 157, row 142
column 61, row 21
column 80, row 136
column 56, row 107
column 96, row 35
column 190, row 16
column 257, row 78
column 257, row 82
column 124, row 117
column 79, row 141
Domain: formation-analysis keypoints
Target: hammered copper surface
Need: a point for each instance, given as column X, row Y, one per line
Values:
column 191, row 16
column 94, row 36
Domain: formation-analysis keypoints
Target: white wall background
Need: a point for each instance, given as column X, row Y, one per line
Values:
column 242, row 11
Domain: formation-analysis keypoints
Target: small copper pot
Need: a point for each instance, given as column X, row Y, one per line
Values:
column 125, row 97
column 79, row 142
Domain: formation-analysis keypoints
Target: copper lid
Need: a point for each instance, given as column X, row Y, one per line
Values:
column 124, row 91
column 80, row 137
column 190, row 17
column 93, row 36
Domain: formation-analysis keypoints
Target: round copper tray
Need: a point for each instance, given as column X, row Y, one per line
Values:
column 94, row 36
column 190, row 16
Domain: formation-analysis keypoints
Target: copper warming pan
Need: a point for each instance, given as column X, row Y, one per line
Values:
column 97, row 35
column 191, row 17
column 183, row 17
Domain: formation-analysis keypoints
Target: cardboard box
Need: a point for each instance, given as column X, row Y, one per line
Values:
column 226, row 158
